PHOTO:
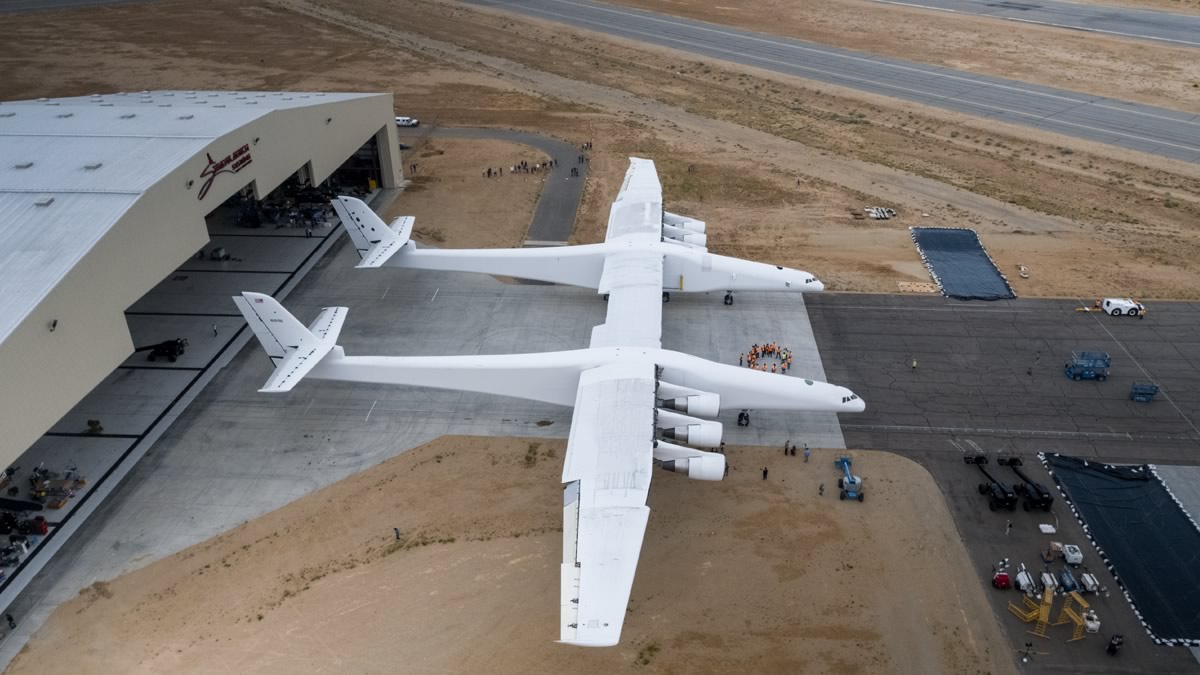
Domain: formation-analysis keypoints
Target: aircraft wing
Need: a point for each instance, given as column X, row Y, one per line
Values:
column 606, row 478
column 638, row 208
column 633, row 281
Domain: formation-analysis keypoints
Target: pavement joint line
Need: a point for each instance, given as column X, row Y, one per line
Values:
column 232, row 316
column 1142, row 368
column 218, row 271
column 161, row 367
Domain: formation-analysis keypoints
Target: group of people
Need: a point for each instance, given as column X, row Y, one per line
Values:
column 523, row 167
column 789, row 448
column 772, row 349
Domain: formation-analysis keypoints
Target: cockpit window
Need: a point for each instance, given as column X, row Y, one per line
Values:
column 778, row 267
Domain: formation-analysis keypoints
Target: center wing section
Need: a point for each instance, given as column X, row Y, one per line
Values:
column 638, row 208
column 607, row 477
column 633, row 281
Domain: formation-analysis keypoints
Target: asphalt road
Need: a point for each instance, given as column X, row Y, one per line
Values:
column 1176, row 29
column 14, row 6
column 554, row 217
column 989, row 376
column 1134, row 126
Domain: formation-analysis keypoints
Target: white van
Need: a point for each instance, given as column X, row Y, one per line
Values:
column 407, row 122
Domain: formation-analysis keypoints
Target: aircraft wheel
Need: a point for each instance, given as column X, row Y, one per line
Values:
column 666, row 296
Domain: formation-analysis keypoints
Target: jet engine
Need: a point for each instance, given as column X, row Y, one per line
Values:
column 683, row 222
column 689, row 401
column 689, row 430
column 709, row 466
column 685, row 236
column 697, row 464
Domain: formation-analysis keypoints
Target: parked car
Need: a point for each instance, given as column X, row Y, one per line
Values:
column 407, row 122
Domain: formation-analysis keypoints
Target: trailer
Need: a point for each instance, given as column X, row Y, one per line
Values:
column 999, row 495
column 1088, row 366
column 1036, row 495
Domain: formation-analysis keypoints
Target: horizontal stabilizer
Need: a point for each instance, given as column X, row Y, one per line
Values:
column 293, row 349
column 374, row 241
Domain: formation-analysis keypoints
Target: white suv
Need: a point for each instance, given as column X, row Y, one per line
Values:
column 407, row 122
column 1126, row 306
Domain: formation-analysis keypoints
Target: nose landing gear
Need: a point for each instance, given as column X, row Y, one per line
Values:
column 729, row 297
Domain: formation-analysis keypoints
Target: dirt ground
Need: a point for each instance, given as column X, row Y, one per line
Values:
column 456, row 206
column 742, row 575
column 778, row 164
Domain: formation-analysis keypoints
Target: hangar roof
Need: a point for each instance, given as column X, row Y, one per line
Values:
column 71, row 167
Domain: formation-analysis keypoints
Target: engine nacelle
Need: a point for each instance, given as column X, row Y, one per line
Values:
column 708, row 405
column 689, row 429
column 684, row 222
column 691, row 401
column 685, row 236
column 709, row 466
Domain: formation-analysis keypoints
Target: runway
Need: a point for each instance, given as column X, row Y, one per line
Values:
column 1134, row 126
column 1177, row 29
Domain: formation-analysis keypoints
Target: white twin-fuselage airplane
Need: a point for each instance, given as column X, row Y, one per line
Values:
column 636, row 224
column 635, row 403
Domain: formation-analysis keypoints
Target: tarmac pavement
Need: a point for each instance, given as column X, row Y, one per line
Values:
column 972, row 392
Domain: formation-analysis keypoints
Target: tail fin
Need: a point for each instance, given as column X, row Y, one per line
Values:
column 374, row 241
column 294, row 350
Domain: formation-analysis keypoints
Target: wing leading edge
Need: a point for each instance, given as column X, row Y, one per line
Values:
column 607, row 478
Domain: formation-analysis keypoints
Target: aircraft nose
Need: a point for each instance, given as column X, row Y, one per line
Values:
column 851, row 402
column 816, row 285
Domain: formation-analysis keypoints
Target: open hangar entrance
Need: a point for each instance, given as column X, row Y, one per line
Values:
column 130, row 192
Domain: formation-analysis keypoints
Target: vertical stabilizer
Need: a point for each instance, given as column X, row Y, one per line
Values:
column 293, row 349
column 374, row 241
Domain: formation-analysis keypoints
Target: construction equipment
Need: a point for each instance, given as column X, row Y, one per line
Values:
column 168, row 349
column 1114, row 645
column 1000, row 577
column 999, row 495
column 1068, row 614
column 1067, row 580
column 1088, row 366
column 1070, row 553
column 1143, row 392
column 1024, row 581
column 1036, row 495
column 850, row 485
column 1036, row 611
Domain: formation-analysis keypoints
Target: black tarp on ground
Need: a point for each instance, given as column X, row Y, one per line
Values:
column 1144, row 536
column 959, row 264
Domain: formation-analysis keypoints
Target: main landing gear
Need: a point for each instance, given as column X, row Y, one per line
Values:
column 729, row 297
column 666, row 296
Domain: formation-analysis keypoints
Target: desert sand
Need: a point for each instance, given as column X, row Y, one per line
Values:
column 455, row 205
column 780, row 163
column 744, row 575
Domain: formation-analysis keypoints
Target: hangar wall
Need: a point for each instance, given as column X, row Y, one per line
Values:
column 45, row 373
